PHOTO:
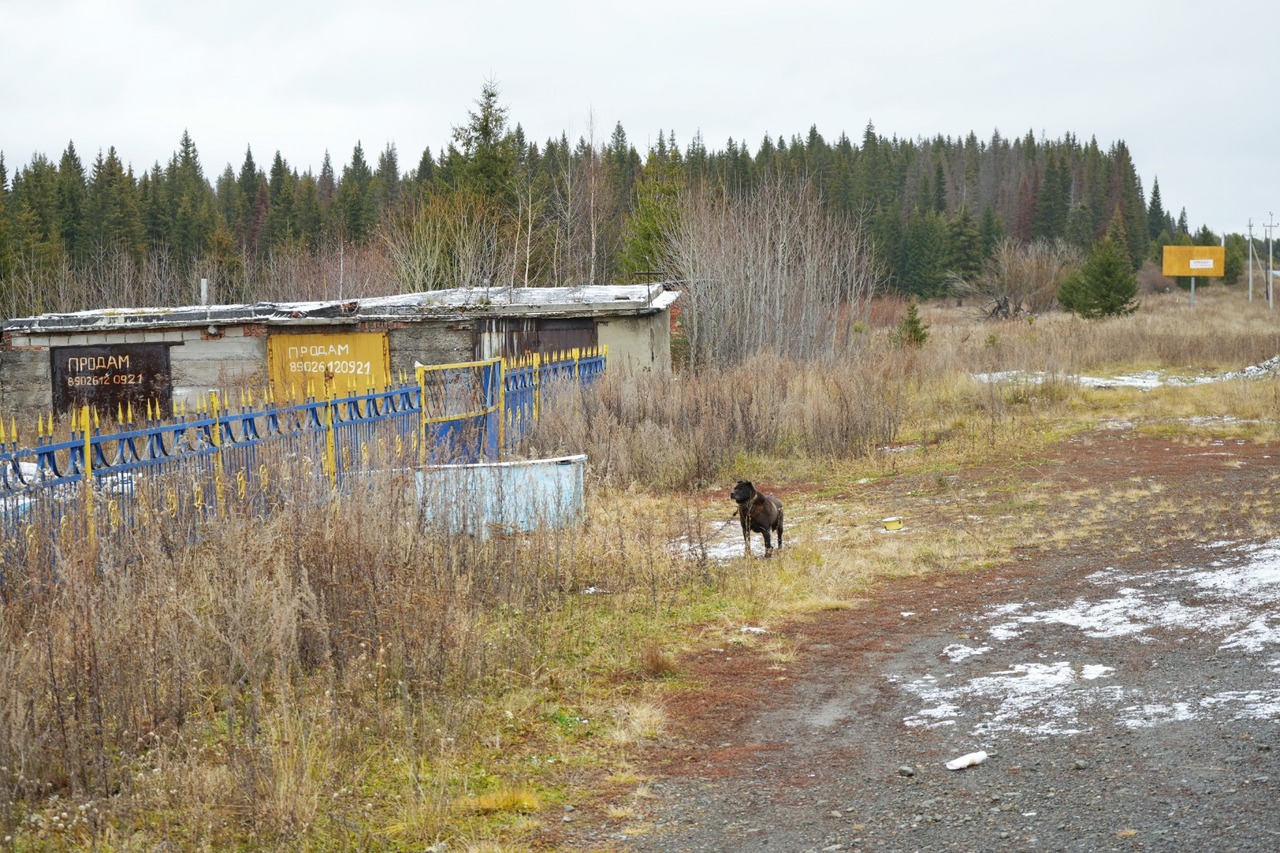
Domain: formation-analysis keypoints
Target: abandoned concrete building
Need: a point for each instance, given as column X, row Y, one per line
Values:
column 170, row 356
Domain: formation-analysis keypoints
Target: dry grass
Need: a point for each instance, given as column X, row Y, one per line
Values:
column 347, row 673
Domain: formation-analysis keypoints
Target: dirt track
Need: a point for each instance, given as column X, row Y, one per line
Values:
column 1128, row 695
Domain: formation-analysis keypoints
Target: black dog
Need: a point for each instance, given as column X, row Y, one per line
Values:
column 758, row 514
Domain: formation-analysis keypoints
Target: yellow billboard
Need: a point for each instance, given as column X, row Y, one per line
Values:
column 312, row 365
column 1199, row 261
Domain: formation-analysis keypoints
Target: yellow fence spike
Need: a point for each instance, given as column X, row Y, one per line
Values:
column 129, row 413
column 96, row 424
column 1, row 430
column 13, row 430
column 39, row 424
column 119, row 412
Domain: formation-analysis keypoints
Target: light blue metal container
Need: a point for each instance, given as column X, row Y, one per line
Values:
column 506, row 496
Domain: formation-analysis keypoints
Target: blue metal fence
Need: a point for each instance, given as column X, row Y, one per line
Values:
column 196, row 465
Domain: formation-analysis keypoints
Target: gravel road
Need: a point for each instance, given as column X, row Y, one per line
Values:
column 1125, row 701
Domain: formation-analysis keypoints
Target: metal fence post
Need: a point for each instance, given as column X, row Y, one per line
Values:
column 87, row 474
column 215, row 435
column 330, row 440
column 502, row 407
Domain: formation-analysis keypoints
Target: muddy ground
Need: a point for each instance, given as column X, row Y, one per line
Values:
column 1124, row 685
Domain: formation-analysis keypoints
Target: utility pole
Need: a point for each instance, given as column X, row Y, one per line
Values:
column 1270, row 226
column 1250, row 258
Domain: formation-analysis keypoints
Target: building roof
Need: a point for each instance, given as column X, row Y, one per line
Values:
column 586, row 300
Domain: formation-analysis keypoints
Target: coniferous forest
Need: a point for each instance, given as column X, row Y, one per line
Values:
column 493, row 207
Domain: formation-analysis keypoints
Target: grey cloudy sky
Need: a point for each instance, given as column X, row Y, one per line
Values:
column 1189, row 86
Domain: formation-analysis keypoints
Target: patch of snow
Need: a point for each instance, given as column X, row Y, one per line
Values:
column 957, row 652
column 1146, row 379
column 1026, row 698
column 1232, row 600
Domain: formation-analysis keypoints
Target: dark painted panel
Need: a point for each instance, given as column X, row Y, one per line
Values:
column 110, row 377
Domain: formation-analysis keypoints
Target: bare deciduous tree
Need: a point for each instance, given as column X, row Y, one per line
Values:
column 454, row 239
column 1019, row 278
column 769, row 270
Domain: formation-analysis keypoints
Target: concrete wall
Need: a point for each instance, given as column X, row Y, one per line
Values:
column 197, row 363
column 430, row 343
column 26, row 383
column 638, row 343
column 203, row 363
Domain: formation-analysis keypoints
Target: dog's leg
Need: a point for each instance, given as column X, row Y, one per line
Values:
column 746, row 531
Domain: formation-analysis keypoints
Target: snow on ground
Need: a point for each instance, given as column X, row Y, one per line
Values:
column 1146, row 379
column 1230, row 603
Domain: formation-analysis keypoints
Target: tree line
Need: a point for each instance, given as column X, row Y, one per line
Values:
column 493, row 207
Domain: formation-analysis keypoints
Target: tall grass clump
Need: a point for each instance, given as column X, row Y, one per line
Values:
column 246, row 676
column 679, row 430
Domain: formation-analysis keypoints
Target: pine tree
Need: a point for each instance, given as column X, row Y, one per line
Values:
column 280, row 226
column 190, row 218
column 484, row 161
column 71, row 206
column 964, row 245
column 113, row 220
column 939, row 189
column 1106, row 285
column 386, row 181
column 990, row 231
column 356, row 213
column 1053, row 201
column 911, row 330
column 1080, row 227
column 6, row 234
column 307, row 211
column 652, row 217
column 425, row 174
column 1155, row 211
column 247, row 193
column 924, row 254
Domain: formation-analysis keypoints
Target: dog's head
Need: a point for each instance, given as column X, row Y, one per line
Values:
column 743, row 492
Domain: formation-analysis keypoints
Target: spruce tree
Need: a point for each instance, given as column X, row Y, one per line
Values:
column 964, row 246
column 71, row 205
column 1155, row 211
column 1105, row 286
column 990, row 231
column 356, row 213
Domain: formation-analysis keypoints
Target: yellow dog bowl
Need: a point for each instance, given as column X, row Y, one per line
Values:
column 893, row 522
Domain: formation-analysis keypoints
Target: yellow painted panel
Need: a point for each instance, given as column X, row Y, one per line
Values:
column 354, row 362
column 1199, row 261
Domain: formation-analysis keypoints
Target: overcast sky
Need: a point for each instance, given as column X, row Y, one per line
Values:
column 1189, row 86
